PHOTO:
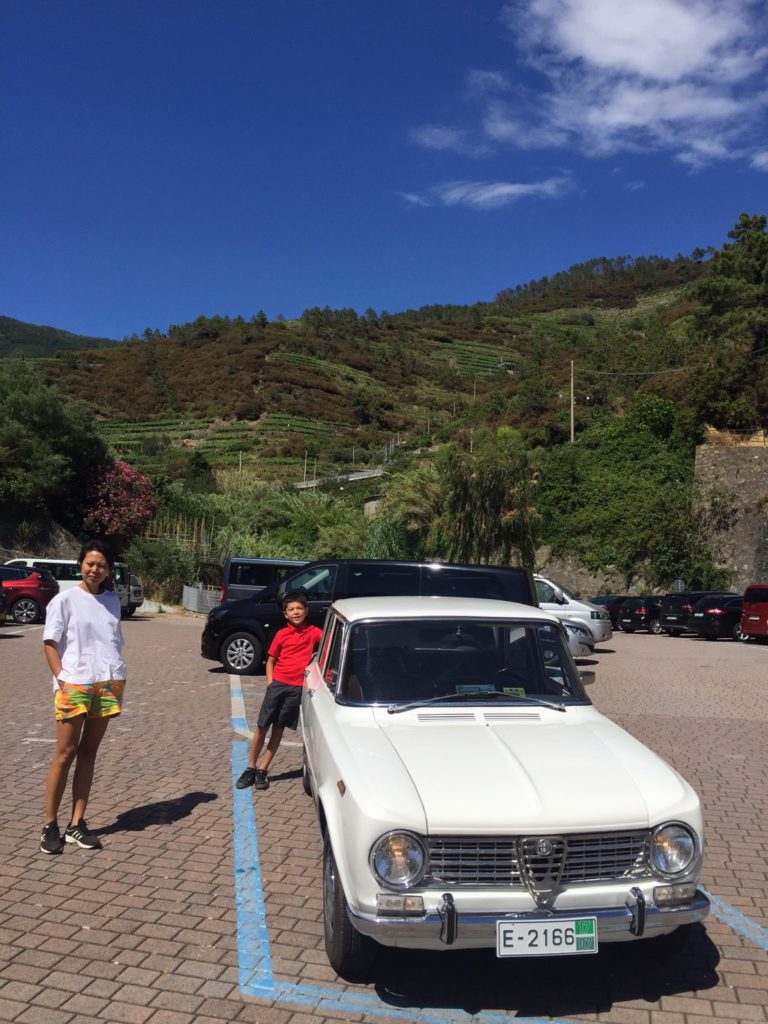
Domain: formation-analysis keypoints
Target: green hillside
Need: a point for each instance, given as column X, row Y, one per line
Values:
column 20, row 339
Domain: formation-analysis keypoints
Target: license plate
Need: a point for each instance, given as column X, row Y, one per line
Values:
column 698, row 615
column 754, row 618
column 671, row 618
column 546, row 937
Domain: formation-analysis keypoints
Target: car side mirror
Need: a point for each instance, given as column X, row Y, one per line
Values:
column 559, row 596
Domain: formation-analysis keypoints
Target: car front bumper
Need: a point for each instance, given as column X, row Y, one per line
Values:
column 600, row 630
column 452, row 928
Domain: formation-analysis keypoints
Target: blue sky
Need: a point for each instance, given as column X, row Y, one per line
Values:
column 167, row 159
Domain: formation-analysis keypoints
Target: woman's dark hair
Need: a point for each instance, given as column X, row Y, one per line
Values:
column 97, row 545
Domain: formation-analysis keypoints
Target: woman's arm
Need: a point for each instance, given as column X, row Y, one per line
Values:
column 52, row 657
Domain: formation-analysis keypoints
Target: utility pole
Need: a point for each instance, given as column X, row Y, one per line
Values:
column 572, row 432
column 305, row 467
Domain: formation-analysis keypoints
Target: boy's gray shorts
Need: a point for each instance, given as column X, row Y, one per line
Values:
column 280, row 706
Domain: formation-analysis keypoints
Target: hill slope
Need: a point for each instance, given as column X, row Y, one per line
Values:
column 20, row 339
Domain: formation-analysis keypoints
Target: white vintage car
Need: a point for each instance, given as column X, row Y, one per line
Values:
column 469, row 795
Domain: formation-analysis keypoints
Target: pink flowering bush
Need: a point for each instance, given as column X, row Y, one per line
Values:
column 122, row 502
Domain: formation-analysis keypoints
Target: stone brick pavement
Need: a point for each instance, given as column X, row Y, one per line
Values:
column 146, row 930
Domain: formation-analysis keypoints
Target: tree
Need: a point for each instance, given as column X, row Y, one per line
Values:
column 122, row 502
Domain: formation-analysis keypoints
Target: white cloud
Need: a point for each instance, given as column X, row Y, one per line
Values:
column 481, row 83
column 442, row 137
column 677, row 75
column 484, row 195
column 760, row 160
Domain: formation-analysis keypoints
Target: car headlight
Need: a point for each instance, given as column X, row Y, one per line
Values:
column 398, row 860
column 673, row 850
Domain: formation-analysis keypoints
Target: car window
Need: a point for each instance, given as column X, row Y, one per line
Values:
column 464, row 583
column 544, row 591
column 376, row 580
column 8, row 573
column 253, row 575
column 756, row 595
column 318, row 583
column 330, row 667
column 419, row 660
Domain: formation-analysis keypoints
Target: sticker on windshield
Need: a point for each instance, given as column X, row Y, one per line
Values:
column 475, row 688
column 514, row 691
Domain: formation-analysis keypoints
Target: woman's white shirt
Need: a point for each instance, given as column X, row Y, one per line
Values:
column 88, row 637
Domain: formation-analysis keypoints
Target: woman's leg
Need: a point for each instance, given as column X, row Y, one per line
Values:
column 67, row 738
column 92, row 735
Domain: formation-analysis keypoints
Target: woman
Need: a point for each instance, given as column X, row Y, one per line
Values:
column 82, row 641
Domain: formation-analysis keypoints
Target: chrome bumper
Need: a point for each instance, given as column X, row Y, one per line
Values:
column 448, row 927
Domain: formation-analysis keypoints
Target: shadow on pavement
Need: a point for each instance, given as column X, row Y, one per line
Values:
column 544, row 987
column 161, row 813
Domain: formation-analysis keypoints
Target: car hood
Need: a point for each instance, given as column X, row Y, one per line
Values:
column 481, row 770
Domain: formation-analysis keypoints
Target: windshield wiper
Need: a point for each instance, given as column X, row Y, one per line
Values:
column 395, row 709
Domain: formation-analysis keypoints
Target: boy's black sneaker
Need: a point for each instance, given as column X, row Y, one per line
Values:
column 82, row 835
column 246, row 778
column 262, row 782
column 50, row 839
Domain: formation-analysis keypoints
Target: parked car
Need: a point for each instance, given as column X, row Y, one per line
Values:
column 565, row 835
column 641, row 613
column 239, row 633
column 66, row 572
column 565, row 606
column 27, row 592
column 754, row 614
column 676, row 609
column 136, row 594
column 717, row 615
column 244, row 577
column 581, row 643
column 613, row 604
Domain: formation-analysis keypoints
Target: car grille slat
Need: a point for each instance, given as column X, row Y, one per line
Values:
column 474, row 862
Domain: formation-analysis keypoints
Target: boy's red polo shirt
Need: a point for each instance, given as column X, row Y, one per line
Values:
column 292, row 648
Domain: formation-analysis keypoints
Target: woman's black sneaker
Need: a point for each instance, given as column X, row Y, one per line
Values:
column 50, row 840
column 246, row 779
column 82, row 835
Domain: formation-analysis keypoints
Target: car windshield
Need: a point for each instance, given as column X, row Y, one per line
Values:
column 412, row 661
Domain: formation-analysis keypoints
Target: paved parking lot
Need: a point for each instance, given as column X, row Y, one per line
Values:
column 205, row 904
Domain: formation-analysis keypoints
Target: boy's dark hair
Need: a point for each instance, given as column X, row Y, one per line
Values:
column 295, row 597
column 97, row 545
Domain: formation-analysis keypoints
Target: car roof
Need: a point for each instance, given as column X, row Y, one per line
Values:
column 355, row 609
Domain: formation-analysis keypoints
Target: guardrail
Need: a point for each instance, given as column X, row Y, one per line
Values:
column 200, row 599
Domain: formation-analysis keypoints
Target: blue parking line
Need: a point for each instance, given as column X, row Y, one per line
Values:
column 737, row 921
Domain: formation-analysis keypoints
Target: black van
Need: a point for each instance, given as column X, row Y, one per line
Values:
column 676, row 610
column 243, row 577
column 238, row 633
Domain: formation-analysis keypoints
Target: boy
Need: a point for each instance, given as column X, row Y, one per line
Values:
column 289, row 654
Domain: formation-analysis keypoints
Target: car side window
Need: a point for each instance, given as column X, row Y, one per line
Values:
column 330, row 668
column 544, row 591
column 383, row 580
column 318, row 583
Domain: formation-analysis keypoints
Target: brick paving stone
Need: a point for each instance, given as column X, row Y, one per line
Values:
column 82, row 1004
column 51, row 997
column 178, row 1001
column 127, row 1013
column 44, row 1015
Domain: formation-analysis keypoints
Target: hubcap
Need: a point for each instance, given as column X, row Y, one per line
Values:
column 240, row 654
column 25, row 611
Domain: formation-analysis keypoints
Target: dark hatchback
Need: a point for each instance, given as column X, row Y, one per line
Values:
column 717, row 615
column 676, row 609
column 613, row 604
column 641, row 613
column 239, row 633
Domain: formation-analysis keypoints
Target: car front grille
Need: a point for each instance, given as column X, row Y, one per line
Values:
column 602, row 857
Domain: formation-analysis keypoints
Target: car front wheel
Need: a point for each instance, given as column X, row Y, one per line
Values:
column 350, row 954
column 241, row 654
column 655, row 627
column 25, row 610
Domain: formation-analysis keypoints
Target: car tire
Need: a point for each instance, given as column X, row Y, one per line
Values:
column 737, row 634
column 654, row 626
column 25, row 610
column 305, row 780
column 241, row 654
column 629, row 629
column 349, row 953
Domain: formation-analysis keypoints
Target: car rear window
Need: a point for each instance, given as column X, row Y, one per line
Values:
column 756, row 595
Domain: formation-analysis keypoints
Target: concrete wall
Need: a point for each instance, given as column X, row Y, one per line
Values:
column 743, row 471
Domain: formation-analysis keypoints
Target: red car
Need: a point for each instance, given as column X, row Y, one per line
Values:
column 754, row 615
column 27, row 592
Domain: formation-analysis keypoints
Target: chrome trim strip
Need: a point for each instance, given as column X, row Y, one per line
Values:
column 613, row 924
